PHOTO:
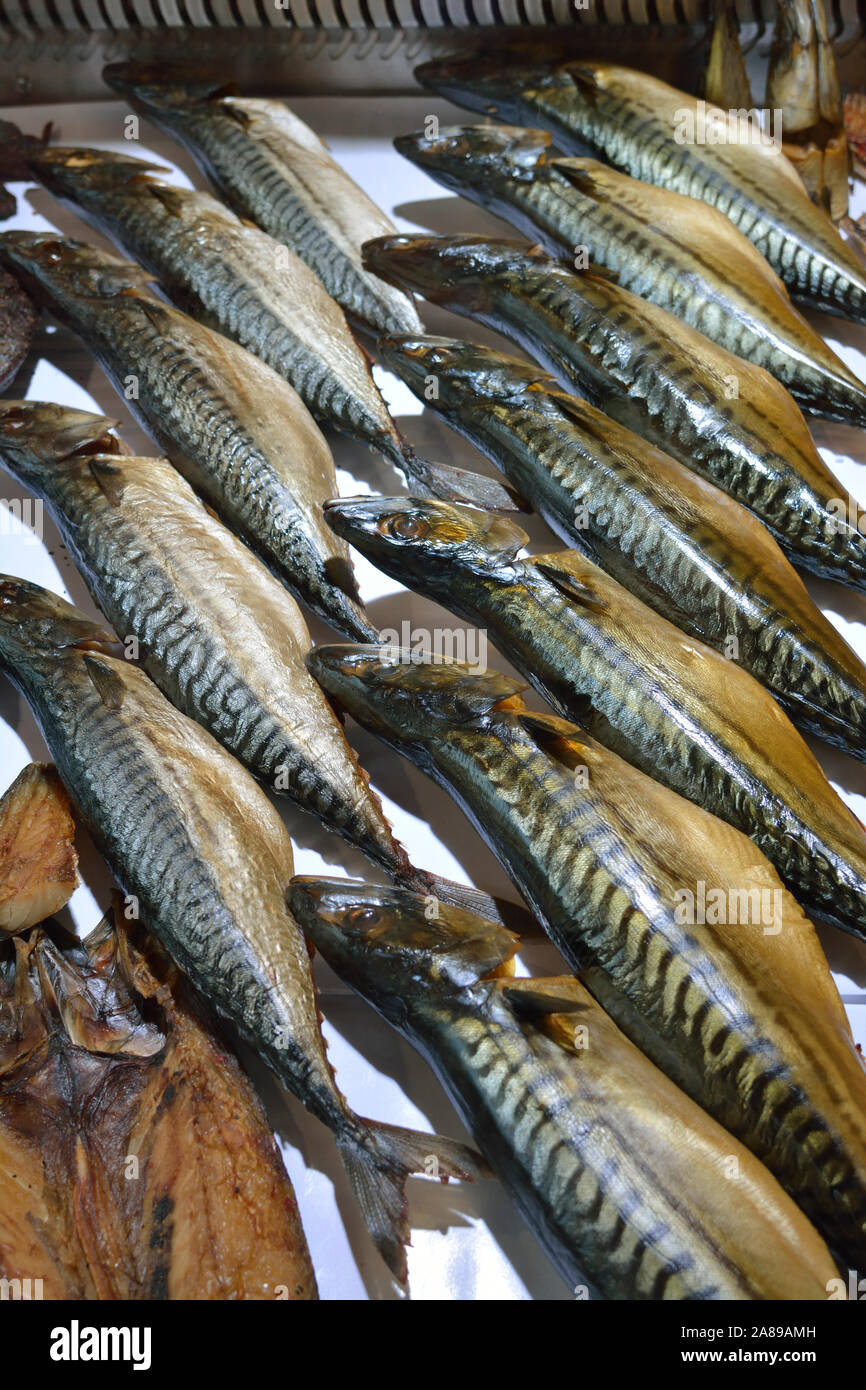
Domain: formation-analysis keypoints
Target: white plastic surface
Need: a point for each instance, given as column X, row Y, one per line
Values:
column 468, row 1242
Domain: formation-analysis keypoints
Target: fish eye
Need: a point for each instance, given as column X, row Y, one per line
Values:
column 13, row 419
column 362, row 920
column 407, row 526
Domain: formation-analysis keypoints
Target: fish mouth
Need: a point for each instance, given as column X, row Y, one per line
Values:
column 395, row 690
column 164, row 87
column 433, row 265
column 335, row 664
column 414, row 356
column 57, row 432
column 354, row 516
column 347, row 921
column 47, row 242
column 372, row 517
column 472, row 152
column 400, row 256
column 52, row 264
column 107, row 165
column 428, row 265
column 475, row 81
column 310, row 898
column 466, row 371
column 27, row 606
column 422, row 530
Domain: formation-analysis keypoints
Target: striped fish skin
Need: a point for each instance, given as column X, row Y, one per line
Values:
column 673, row 707
column 678, row 543
column 274, row 171
column 239, row 433
column 196, row 844
column 654, row 374
column 637, row 123
column 744, row 1017
column 675, row 251
column 615, row 1170
column 238, row 279
column 220, row 637
column 256, row 291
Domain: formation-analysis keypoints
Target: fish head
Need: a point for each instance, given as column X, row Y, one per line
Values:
column 439, row 266
column 495, row 83
column 71, row 172
column 410, row 697
column 68, row 271
column 40, row 432
column 36, row 625
column 164, row 89
column 422, row 540
column 477, row 155
column 458, row 375
column 395, row 946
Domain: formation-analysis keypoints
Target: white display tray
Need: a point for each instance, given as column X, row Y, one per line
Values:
column 468, row 1241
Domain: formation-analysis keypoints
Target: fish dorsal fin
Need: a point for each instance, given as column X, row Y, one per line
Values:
column 106, row 682
column 109, row 479
column 568, row 580
column 537, row 998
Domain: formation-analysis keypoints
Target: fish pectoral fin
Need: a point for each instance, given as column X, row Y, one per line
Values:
column 109, row 478
column 562, row 994
column 576, row 172
column 106, row 682
column 585, row 79
column 563, row 741
column 569, row 583
column 172, row 199
column 162, row 317
column 490, row 693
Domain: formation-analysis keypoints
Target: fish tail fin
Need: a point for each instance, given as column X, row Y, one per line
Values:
column 379, row 1159
column 461, row 485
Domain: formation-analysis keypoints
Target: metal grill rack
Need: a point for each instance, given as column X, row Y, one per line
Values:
column 53, row 50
